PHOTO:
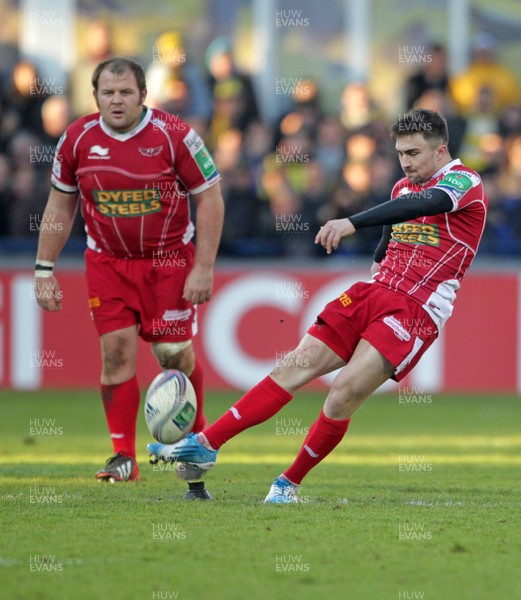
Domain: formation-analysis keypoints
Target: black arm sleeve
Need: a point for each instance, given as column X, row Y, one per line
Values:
column 381, row 249
column 405, row 208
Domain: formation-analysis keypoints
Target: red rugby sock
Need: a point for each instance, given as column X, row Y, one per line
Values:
column 121, row 404
column 323, row 436
column 258, row 405
column 196, row 379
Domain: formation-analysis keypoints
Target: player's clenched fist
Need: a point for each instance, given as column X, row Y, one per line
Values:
column 332, row 232
column 48, row 293
column 198, row 285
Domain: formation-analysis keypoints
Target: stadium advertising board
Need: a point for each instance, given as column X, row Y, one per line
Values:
column 255, row 317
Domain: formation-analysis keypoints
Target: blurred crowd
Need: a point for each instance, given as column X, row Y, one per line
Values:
column 280, row 179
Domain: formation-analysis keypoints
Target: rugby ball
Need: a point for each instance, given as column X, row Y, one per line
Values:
column 170, row 406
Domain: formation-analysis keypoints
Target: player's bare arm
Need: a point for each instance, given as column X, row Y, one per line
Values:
column 60, row 211
column 208, row 223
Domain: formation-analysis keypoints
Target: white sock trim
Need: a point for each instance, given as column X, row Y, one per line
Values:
column 288, row 480
column 201, row 438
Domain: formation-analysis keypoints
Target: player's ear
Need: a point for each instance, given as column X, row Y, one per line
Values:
column 95, row 98
column 143, row 95
column 442, row 151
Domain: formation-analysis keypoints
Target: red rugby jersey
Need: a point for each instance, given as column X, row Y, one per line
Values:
column 428, row 256
column 134, row 186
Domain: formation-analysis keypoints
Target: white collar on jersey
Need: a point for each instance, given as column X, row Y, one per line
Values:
column 447, row 167
column 122, row 137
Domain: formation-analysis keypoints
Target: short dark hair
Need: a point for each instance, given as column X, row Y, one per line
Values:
column 118, row 65
column 427, row 122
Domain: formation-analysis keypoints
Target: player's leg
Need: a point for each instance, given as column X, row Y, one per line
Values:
column 120, row 395
column 367, row 370
column 311, row 359
column 169, row 322
column 111, row 294
column 118, row 355
column 355, row 382
column 181, row 356
column 379, row 355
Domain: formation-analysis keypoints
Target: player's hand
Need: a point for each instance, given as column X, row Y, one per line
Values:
column 332, row 232
column 48, row 293
column 198, row 285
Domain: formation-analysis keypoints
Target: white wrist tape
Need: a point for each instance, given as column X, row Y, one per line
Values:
column 43, row 274
column 43, row 269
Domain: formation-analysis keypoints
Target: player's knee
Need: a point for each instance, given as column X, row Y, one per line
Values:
column 116, row 357
column 175, row 355
column 345, row 393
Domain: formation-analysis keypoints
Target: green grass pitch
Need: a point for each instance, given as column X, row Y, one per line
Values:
column 418, row 501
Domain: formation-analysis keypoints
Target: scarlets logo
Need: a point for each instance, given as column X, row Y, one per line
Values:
column 150, row 151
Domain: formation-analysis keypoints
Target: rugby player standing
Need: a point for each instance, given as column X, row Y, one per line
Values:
column 132, row 169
